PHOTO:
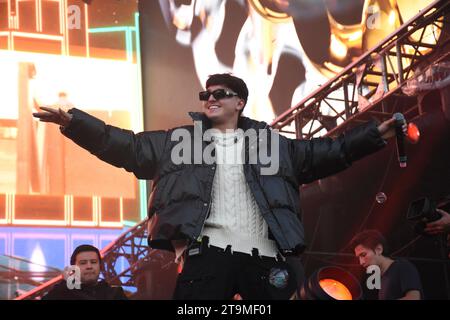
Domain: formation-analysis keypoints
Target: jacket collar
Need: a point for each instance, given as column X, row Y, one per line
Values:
column 244, row 123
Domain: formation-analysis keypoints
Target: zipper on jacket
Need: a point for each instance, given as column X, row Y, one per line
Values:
column 255, row 176
column 199, row 238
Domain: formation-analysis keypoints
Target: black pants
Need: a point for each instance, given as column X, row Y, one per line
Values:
column 219, row 274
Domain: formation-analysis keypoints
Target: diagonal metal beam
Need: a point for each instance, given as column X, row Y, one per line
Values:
column 374, row 64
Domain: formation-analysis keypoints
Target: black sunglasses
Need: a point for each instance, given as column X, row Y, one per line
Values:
column 217, row 94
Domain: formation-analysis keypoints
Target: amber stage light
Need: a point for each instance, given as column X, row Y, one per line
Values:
column 413, row 134
column 331, row 283
column 335, row 289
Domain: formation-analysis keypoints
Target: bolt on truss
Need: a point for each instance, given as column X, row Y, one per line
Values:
column 370, row 86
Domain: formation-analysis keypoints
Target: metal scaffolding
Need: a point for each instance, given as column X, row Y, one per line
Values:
column 371, row 86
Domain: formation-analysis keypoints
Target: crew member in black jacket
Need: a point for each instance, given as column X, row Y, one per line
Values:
column 87, row 260
column 226, row 189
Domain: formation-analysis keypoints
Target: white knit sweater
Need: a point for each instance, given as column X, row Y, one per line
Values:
column 235, row 218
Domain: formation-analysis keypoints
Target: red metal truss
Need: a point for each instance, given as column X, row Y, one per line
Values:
column 370, row 86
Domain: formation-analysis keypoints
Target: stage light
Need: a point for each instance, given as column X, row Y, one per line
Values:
column 335, row 289
column 331, row 283
column 413, row 134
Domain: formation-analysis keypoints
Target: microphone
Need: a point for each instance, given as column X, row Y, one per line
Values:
column 399, row 122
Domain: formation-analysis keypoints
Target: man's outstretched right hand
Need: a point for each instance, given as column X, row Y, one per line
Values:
column 57, row 116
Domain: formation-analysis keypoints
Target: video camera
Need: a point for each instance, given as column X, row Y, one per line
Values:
column 422, row 211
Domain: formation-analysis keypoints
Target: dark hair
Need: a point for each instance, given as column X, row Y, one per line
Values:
column 234, row 83
column 369, row 239
column 84, row 248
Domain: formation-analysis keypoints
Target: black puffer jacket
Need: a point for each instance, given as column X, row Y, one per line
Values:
column 181, row 198
column 100, row 291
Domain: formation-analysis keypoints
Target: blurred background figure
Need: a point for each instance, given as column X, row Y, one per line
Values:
column 400, row 279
